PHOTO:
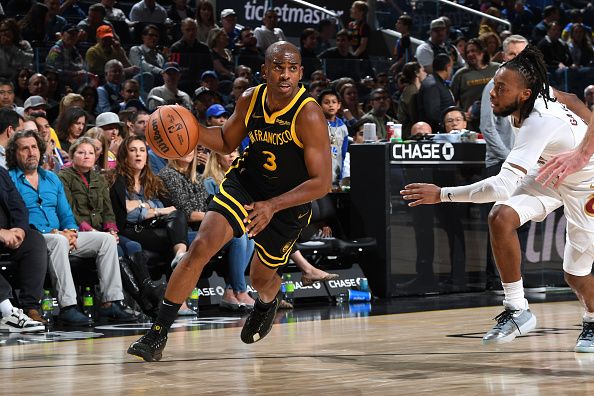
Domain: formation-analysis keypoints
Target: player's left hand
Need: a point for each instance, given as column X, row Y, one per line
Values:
column 421, row 194
column 259, row 215
column 560, row 166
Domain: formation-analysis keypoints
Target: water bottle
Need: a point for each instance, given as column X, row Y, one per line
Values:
column 192, row 301
column 88, row 304
column 290, row 290
column 47, row 307
column 283, row 289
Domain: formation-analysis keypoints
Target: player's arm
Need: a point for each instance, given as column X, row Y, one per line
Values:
column 227, row 138
column 495, row 188
column 312, row 131
column 564, row 164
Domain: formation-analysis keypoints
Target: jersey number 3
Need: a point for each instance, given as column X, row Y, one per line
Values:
column 270, row 161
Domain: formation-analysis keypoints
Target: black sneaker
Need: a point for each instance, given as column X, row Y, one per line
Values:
column 150, row 346
column 258, row 323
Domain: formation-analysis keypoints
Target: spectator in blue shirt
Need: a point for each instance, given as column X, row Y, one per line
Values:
column 50, row 213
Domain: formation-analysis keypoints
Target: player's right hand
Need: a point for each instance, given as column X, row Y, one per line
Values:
column 421, row 194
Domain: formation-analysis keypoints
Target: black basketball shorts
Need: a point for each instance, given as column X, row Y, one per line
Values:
column 274, row 243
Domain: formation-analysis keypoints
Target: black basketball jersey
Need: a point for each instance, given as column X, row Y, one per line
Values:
column 273, row 163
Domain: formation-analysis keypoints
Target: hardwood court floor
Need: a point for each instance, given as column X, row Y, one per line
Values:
column 435, row 352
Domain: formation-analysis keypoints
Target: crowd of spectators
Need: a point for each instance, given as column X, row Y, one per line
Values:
column 85, row 79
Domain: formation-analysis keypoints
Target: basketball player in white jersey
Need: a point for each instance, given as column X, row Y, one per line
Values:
column 543, row 129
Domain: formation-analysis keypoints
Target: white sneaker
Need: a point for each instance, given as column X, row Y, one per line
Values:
column 18, row 322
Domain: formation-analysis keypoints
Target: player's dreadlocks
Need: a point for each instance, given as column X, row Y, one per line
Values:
column 530, row 65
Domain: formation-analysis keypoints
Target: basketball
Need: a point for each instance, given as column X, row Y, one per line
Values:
column 172, row 131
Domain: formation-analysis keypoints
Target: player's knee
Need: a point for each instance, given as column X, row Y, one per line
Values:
column 502, row 218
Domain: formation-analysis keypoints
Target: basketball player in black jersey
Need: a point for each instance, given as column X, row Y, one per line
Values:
column 266, row 193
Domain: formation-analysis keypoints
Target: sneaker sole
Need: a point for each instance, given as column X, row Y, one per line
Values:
column 584, row 349
column 525, row 329
column 146, row 356
column 18, row 330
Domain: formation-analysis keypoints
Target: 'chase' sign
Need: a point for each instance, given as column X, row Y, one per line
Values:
column 437, row 153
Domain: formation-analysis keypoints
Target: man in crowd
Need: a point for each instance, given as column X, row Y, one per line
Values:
column 434, row 95
column 108, row 48
column 50, row 214
column 437, row 44
column 380, row 104
column 109, row 94
column 192, row 56
column 169, row 92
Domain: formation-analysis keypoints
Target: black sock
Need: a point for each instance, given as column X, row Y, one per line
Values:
column 262, row 306
column 167, row 315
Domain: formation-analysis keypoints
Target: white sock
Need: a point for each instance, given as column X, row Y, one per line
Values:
column 588, row 316
column 5, row 307
column 514, row 295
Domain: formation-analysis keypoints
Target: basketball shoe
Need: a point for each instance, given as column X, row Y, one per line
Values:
column 510, row 324
column 18, row 322
column 150, row 346
column 259, row 322
column 585, row 342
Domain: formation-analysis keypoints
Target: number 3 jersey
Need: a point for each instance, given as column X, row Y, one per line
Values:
column 273, row 162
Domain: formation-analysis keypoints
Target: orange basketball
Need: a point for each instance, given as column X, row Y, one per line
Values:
column 172, row 131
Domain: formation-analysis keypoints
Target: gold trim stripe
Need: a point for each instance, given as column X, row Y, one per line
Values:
column 223, row 204
column 293, row 132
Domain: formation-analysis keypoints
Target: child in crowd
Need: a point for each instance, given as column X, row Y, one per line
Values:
column 330, row 102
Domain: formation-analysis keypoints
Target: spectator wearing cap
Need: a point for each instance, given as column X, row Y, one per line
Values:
column 169, row 93
column 112, row 129
column 109, row 94
column 192, row 56
column 228, row 23
column 147, row 57
column 9, row 124
column 210, row 80
column 89, row 25
column 269, row 33
column 131, row 96
column 107, row 47
column 148, row 11
column 216, row 115
column 203, row 99
column 437, row 44
column 222, row 58
column 36, row 106
column 65, row 60
column 249, row 54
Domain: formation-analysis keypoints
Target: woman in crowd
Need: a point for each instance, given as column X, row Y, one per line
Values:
column 351, row 108
column 71, row 100
column 54, row 90
column 492, row 43
column 70, row 125
column 21, row 85
column 580, row 46
column 413, row 74
column 141, row 205
column 222, row 59
column 14, row 53
column 104, row 159
column 205, row 19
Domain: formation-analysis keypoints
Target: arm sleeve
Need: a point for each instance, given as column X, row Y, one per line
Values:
column 487, row 126
column 494, row 188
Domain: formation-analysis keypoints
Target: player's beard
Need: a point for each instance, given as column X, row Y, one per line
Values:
column 506, row 111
